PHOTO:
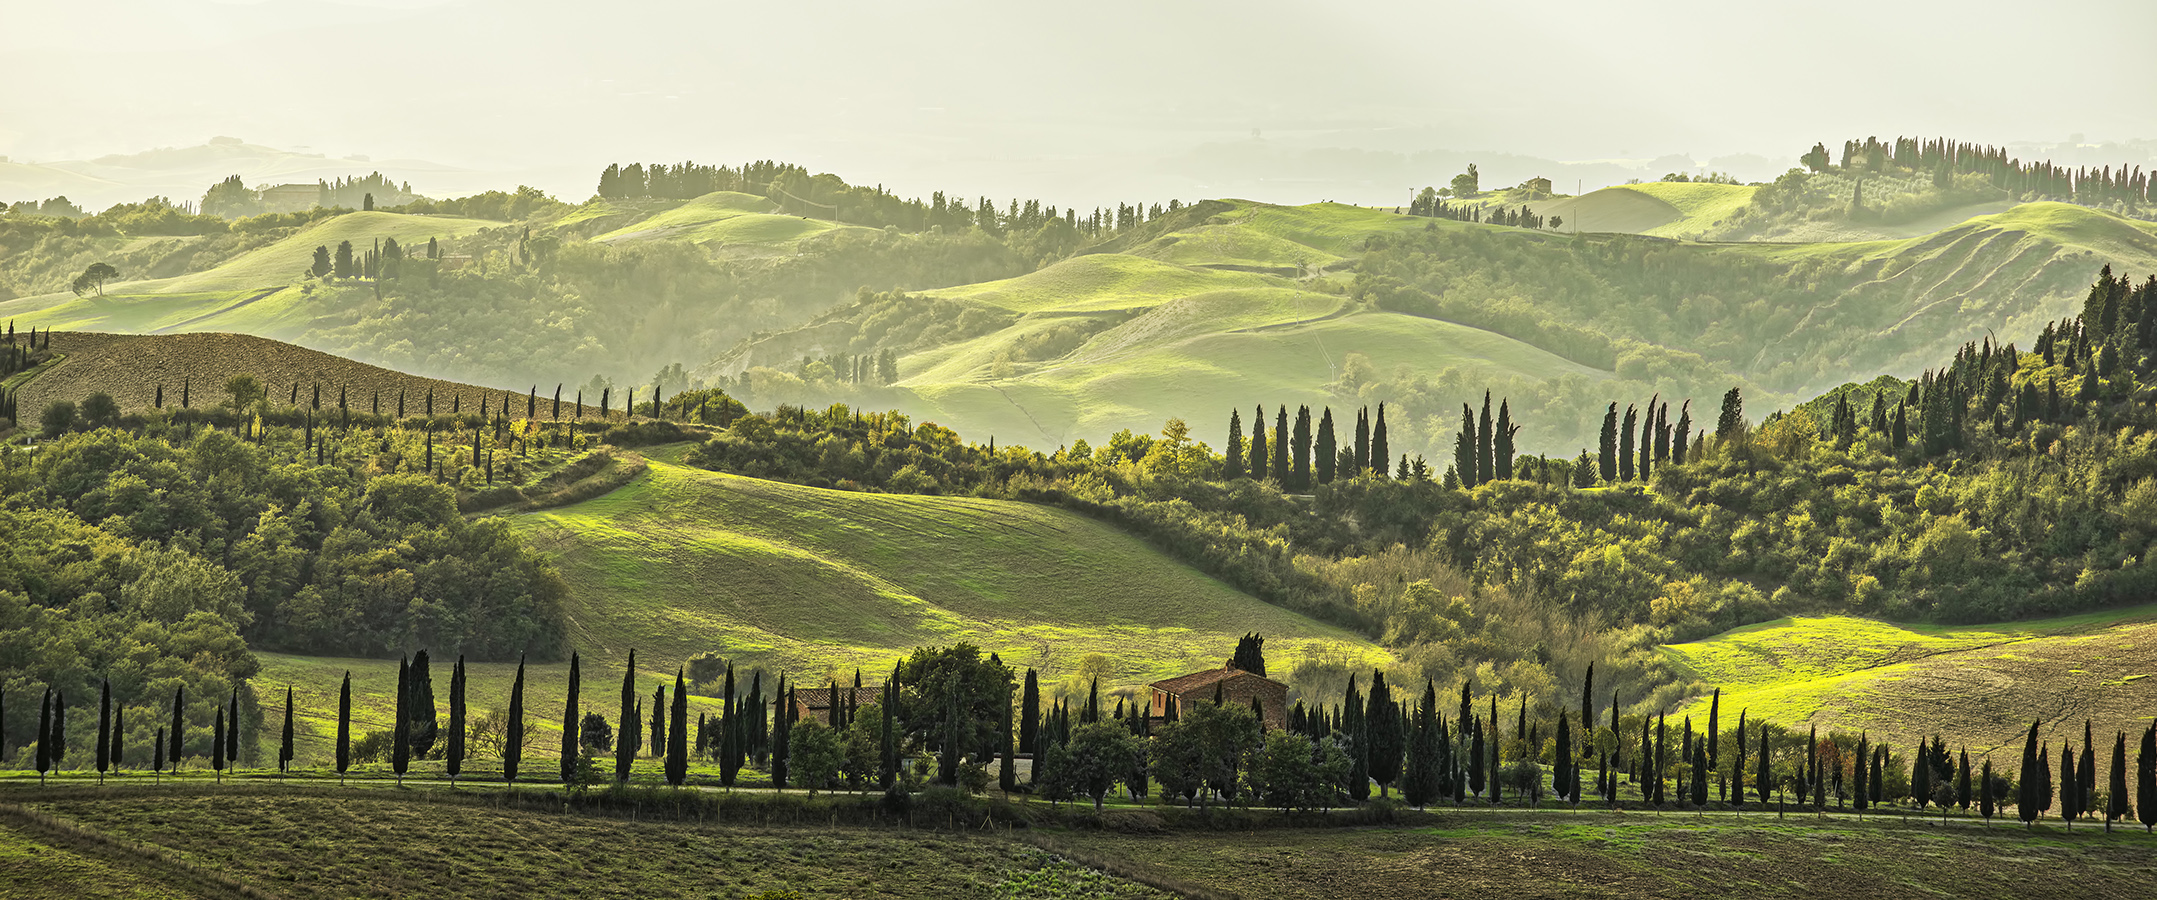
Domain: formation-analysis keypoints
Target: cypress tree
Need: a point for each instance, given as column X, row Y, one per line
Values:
column 1763, row 780
column 625, row 745
column 513, row 742
column 1625, row 444
column 2146, row 779
column 2116, row 805
column 1302, row 475
column 2026, row 800
column 678, row 737
column 455, row 754
column 104, row 728
column 1962, row 781
column 1857, row 775
column 1363, row 441
column 1485, row 469
column 157, row 752
column 1700, row 775
column 1325, row 457
column 1387, row 742
column 44, row 736
column 1737, row 764
column 782, row 727
column 1560, row 759
column 1984, row 797
column 1261, row 459
column 401, row 730
column 888, row 735
column 1280, row 448
column 1685, row 428
column 1921, row 776
column 2070, row 786
column 284, row 743
column 1714, row 739
column 1501, row 440
column 217, row 744
column 1464, row 449
column 2086, row 773
column 1607, row 447
column 572, row 718
column 729, row 744
column 179, row 726
column 659, row 720
column 1030, row 715
column 1379, row 452
column 1235, row 442
column 1475, row 761
column 1007, row 776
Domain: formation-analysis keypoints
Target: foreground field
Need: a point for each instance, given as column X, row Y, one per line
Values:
column 1978, row 686
column 316, row 841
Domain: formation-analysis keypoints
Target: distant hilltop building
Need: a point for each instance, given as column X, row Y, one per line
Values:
column 291, row 197
column 1538, row 184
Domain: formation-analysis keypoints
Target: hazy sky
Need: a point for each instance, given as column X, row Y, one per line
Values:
column 1080, row 102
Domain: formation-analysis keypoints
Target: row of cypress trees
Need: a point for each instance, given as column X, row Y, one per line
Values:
column 1297, row 457
column 1387, row 742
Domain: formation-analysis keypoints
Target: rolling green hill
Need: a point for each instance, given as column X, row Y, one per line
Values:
column 723, row 217
column 683, row 561
column 1661, row 209
column 1978, row 686
column 253, row 293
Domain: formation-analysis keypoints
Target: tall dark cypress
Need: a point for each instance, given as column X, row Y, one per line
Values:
column 1607, row 447
column 1647, row 438
column 1326, row 451
column 1030, row 715
column 2070, row 786
column 284, row 742
column 1363, row 441
column 1962, row 781
column 1280, row 448
column 44, row 735
column 1464, row 448
column 1862, row 798
column 1261, row 459
column 782, row 719
column 1485, row 466
column 572, row 718
column 1387, row 742
column 1763, row 780
column 1301, row 477
column 1502, row 442
column 1684, row 430
column 400, row 757
column 1737, row 763
column 1380, row 454
column 217, row 744
column 104, row 728
column 1625, row 444
column 513, row 743
column 1235, row 443
column 1714, row 739
column 729, row 747
column 625, row 744
column 157, row 752
column 1984, row 795
column 454, row 754
column 1007, row 775
column 344, row 727
column 659, row 720
column 179, row 726
column 678, row 734
column 2146, row 779
column 2026, row 800
column 2086, row 773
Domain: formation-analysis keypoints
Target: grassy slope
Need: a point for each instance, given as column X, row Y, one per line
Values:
column 1105, row 281
column 724, row 217
column 683, row 561
column 32, row 868
column 1978, row 686
column 132, row 367
column 193, row 300
column 1660, row 209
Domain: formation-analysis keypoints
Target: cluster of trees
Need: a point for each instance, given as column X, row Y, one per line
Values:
column 385, row 262
column 1289, row 461
column 1431, row 205
column 827, row 196
column 1942, row 159
column 231, row 198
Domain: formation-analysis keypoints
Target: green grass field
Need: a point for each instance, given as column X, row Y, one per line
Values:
column 816, row 582
column 723, row 217
column 1103, row 281
column 1978, row 686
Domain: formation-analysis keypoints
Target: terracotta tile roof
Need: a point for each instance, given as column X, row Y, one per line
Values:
column 1184, row 684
